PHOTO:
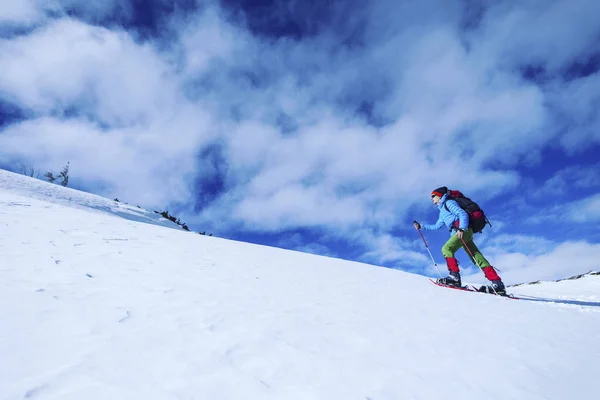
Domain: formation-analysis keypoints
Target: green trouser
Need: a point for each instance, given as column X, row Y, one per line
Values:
column 454, row 244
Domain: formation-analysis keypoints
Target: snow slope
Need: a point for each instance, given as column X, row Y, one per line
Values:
column 95, row 306
column 42, row 190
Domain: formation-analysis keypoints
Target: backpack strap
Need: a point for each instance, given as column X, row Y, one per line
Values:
column 453, row 227
column 447, row 209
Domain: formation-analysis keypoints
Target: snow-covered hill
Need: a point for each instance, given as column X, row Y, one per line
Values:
column 96, row 306
column 56, row 194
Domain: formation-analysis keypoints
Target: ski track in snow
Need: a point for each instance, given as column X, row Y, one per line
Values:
column 94, row 306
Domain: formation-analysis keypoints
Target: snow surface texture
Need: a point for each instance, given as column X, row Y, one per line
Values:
column 94, row 306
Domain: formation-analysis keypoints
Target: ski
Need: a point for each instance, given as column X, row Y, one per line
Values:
column 472, row 289
column 509, row 295
column 465, row 288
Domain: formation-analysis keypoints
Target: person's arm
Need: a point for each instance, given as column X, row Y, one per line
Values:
column 435, row 227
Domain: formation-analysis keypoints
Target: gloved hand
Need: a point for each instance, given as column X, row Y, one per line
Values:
column 417, row 225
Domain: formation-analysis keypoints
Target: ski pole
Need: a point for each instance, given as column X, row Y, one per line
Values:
column 473, row 259
column 429, row 251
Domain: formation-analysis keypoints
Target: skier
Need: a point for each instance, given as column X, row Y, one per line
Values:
column 457, row 221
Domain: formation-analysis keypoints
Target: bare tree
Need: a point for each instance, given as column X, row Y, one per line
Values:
column 50, row 176
column 64, row 175
column 29, row 171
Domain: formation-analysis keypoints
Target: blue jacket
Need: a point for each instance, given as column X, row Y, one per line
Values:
column 449, row 217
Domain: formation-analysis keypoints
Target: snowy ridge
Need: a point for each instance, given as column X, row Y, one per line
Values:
column 97, row 307
column 579, row 276
column 56, row 194
column 583, row 289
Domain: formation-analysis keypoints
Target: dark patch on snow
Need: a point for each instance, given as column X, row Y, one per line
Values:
column 31, row 393
column 127, row 316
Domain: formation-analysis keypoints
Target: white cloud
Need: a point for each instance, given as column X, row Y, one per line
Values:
column 19, row 12
column 385, row 248
column 582, row 211
column 207, row 39
column 30, row 12
column 579, row 101
column 551, row 33
column 572, row 177
column 517, row 242
column 137, row 134
column 104, row 74
column 585, row 211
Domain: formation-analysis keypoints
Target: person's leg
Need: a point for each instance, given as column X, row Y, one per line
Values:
column 448, row 251
column 480, row 261
column 473, row 251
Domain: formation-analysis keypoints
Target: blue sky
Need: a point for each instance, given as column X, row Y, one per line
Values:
column 320, row 126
